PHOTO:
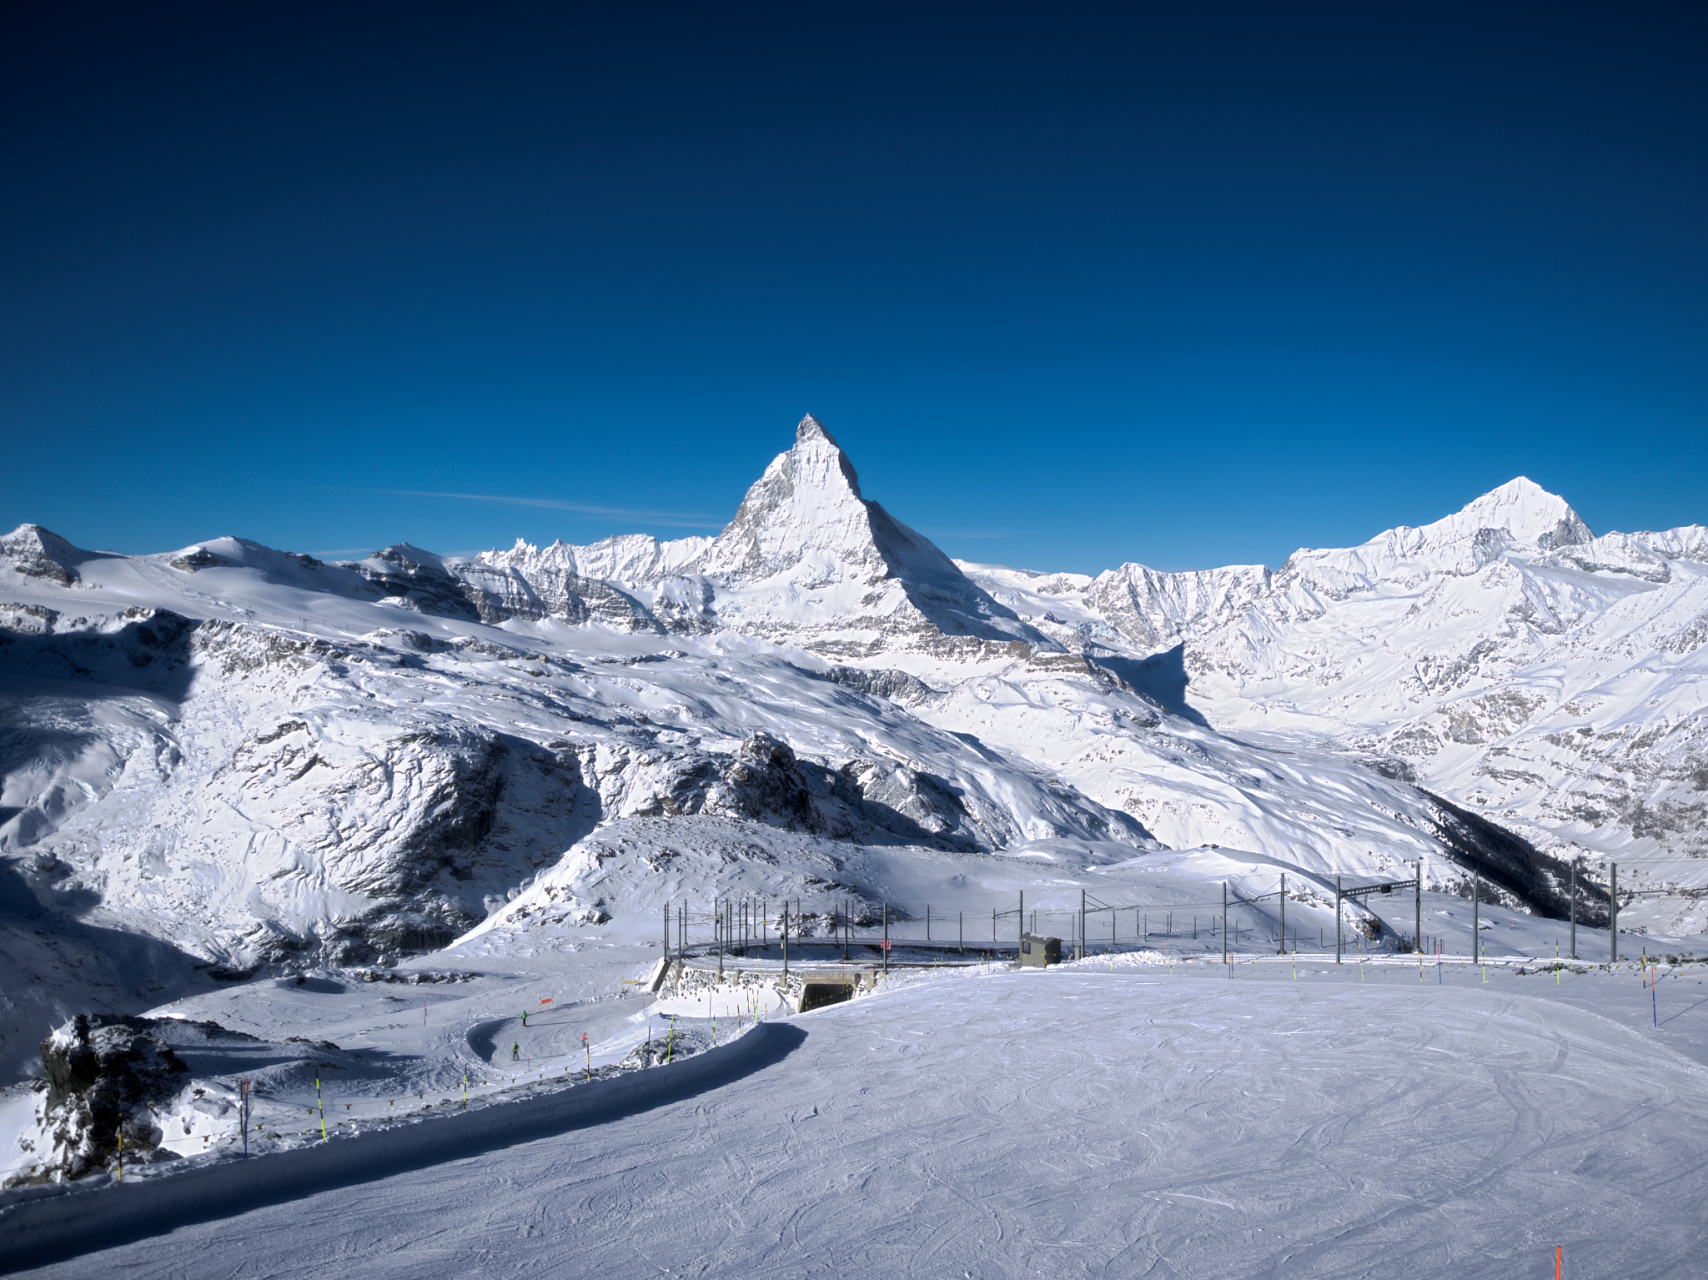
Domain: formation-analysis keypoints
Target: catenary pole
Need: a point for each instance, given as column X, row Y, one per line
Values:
column 1337, row 919
column 1476, row 917
column 886, row 937
column 1282, row 949
column 1082, row 924
column 1613, row 902
column 1224, row 922
column 1574, row 908
column 1417, row 924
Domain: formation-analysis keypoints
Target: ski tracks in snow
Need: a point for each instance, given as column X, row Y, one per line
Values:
column 1071, row 1124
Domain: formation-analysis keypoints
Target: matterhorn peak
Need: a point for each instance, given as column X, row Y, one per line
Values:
column 807, row 540
column 810, row 429
column 808, row 501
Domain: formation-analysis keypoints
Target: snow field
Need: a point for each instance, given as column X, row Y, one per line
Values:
column 58, row 1219
column 1080, row 1122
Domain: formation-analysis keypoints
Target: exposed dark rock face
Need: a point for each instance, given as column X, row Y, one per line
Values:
column 418, row 576
column 897, row 686
column 197, row 558
column 102, row 1074
column 34, row 552
column 149, row 649
column 867, row 801
column 765, row 782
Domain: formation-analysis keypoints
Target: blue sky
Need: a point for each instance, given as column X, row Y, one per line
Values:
column 1073, row 285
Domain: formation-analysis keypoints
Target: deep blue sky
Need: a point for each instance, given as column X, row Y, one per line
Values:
column 1187, row 284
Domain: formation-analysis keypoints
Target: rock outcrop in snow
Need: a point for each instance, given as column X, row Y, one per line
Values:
column 32, row 552
column 102, row 1079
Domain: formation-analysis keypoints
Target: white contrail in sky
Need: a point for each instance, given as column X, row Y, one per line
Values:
column 684, row 519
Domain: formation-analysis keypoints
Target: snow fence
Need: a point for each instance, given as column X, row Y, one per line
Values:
column 41, row 1223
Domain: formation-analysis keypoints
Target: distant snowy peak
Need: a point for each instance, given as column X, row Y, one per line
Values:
column 1518, row 516
column 807, row 557
column 806, row 507
column 807, row 517
column 32, row 552
column 1525, row 510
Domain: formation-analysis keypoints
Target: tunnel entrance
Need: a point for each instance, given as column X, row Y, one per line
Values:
column 818, row 991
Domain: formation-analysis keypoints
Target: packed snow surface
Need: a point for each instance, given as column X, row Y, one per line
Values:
column 1106, row 1118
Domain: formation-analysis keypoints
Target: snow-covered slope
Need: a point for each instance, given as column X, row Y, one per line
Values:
column 1505, row 657
column 254, row 757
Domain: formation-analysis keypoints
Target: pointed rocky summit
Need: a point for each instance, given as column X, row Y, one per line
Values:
column 1526, row 511
column 807, row 506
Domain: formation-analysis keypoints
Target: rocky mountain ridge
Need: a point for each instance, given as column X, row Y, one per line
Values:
column 1505, row 656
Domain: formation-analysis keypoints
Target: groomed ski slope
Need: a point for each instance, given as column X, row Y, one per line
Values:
column 1087, row 1121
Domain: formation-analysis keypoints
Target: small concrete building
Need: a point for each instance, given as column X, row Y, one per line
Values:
column 1039, row 952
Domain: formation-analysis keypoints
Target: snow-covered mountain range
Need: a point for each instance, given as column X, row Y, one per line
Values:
column 247, row 756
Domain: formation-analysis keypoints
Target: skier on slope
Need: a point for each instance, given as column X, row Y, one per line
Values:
column 524, row 1017
column 515, row 1053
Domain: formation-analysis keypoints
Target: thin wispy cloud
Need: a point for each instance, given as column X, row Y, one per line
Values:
column 676, row 519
